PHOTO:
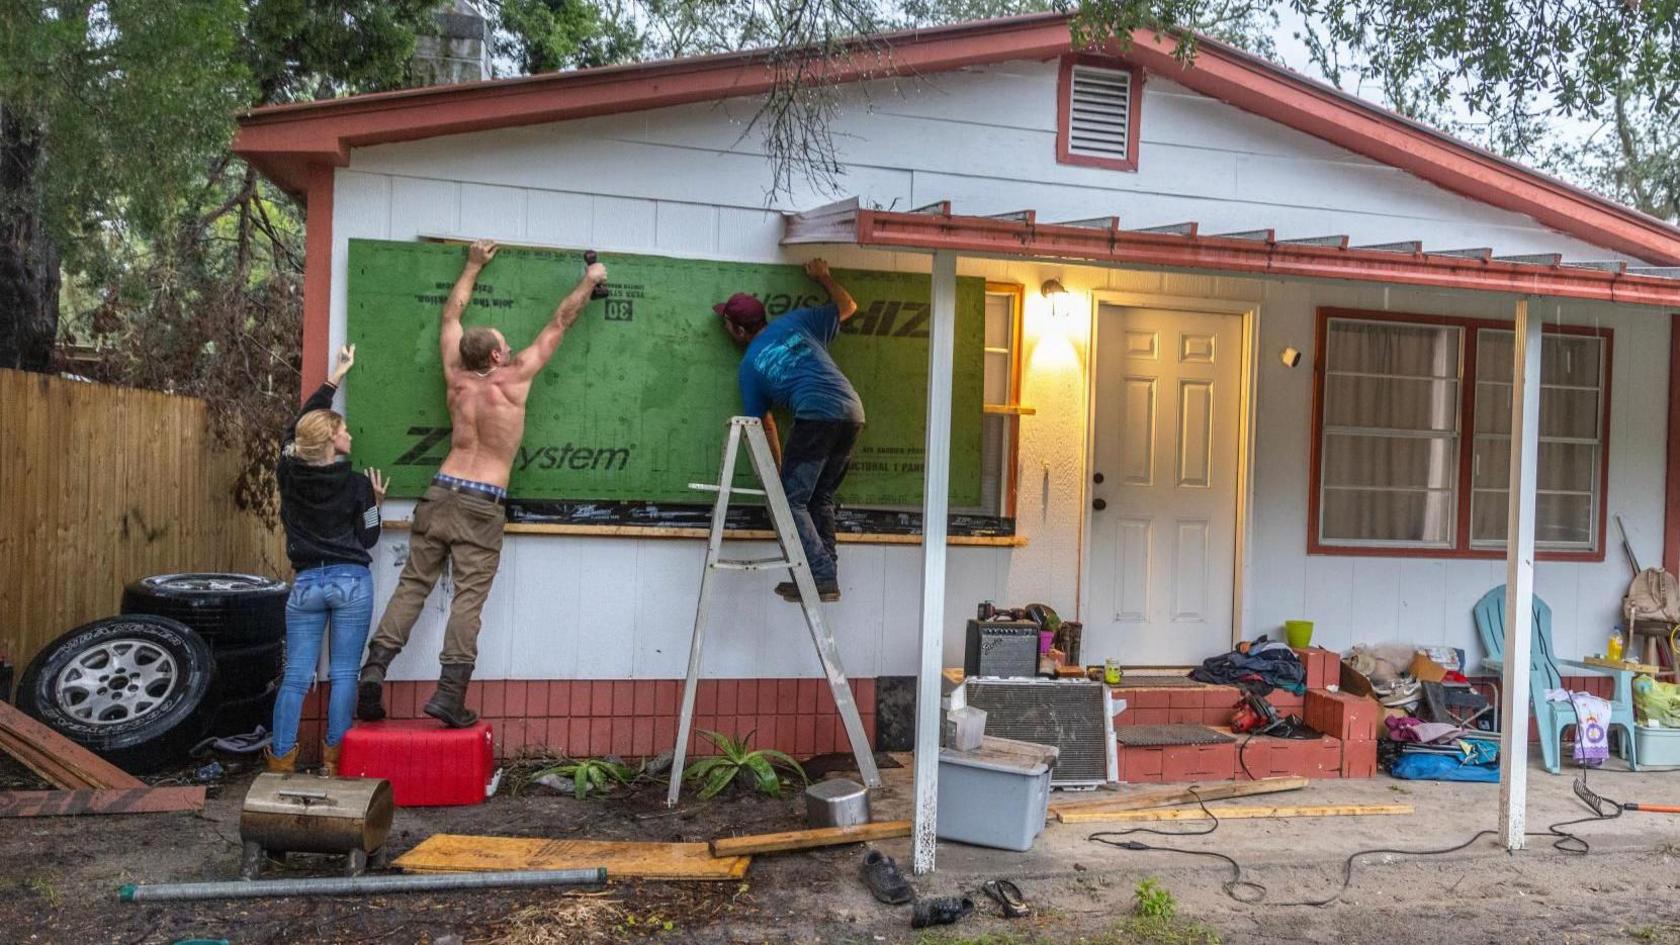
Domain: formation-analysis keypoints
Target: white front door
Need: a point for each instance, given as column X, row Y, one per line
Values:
column 1164, row 486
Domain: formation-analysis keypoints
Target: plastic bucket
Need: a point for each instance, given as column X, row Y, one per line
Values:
column 1299, row 633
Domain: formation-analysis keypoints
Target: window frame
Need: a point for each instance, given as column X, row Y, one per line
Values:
column 1465, row 437
column 1134, row 114
column 1012, row 409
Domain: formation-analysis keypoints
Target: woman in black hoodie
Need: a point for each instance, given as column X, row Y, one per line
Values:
column 331, row 516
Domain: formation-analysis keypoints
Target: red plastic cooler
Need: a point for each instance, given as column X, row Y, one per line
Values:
column 427, row 764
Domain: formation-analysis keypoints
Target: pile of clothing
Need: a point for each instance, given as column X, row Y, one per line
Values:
column 1437, row 751
column 1258, row 667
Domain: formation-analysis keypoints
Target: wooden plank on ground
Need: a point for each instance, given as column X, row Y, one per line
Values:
column 1233, row 813
column 1187, row 794
column 807, row 839
column 118, row 801
column 455, row 853
column 93, row 770
column 49, row 768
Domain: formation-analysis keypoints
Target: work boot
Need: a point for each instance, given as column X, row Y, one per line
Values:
column 329, row 760
column 827, row 591
column 370, row 687
column 281, row 764
column 449, row 704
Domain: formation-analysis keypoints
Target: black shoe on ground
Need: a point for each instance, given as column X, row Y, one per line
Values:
column 940, row 910
column 881, row 875
column 829, row 592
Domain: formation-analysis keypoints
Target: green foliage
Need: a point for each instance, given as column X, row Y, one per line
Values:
column 183, row 273
column 651, row 924
column 734, row 759
column 590, row 775
column 547, row 35
column 128, row 99
column 1153, row 901
column 303, row 49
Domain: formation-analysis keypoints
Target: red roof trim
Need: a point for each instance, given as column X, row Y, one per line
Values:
column 283, row 141
column 992, row 236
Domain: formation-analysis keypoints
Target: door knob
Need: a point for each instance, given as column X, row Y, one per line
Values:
column 1099, row 504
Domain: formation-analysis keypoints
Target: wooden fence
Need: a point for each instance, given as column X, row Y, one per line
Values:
column 102, row 485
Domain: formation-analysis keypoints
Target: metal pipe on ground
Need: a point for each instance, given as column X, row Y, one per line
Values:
column 352, row 885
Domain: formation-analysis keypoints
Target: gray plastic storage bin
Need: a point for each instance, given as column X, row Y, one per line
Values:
column 993, row 798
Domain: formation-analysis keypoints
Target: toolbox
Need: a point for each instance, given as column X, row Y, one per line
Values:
column 427, row 764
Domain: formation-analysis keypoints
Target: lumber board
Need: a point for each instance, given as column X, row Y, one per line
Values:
column 807, row 839
column 93, row 770
column 50, row 769
column 731, row 534
column 457, row 853
column 1167, row 797
column 153, row 800
column 1233, row 813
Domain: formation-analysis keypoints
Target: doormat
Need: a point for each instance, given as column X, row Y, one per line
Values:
column 1147, row 736
column 1159, row 682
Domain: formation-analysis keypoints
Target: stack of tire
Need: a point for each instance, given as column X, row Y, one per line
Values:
column 192, row 656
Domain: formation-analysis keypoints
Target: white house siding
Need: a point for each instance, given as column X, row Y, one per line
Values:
column 684, row 182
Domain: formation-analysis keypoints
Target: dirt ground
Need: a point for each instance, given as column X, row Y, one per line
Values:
column 59, row 876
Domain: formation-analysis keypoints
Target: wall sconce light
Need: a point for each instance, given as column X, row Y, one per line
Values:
column 1056, row 294
column 1290, row 357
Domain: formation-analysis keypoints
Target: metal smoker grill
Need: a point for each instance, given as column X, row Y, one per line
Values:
column 302, row 813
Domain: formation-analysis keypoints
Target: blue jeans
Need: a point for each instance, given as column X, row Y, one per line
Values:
column 340, row 595
column 814, row 462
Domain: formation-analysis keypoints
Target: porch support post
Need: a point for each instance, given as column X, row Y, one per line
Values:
column 1519, row 577
column 936, row 491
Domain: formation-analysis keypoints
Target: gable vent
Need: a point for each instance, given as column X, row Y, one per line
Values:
column 1099, row 113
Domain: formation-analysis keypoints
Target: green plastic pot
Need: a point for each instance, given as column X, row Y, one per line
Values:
column 1299, row 633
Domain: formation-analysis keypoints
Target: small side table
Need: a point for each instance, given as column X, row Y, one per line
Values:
column 1620, row 665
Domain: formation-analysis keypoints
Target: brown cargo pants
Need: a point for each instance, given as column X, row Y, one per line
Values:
column 466, row 531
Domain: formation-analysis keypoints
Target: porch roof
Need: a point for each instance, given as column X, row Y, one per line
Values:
column 1255, row 252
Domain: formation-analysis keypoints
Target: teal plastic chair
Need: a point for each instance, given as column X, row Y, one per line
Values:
column 1551, row 717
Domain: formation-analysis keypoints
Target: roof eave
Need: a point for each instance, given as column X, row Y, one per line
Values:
column 848, row 223
column 281, row 140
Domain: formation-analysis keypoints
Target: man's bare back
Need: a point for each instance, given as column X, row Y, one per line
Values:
column 487, row 418
column 487, row 401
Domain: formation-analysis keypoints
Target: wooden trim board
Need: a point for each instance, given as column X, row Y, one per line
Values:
column 1166, row 797
column 1232, row 813
column 150, row 800
column 456, row 853
column 56, row 758
column 807, row 839
column 669, row 531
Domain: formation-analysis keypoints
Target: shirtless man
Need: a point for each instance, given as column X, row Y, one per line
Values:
column 461, row 515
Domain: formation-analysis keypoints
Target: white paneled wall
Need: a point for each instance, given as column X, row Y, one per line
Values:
column 683, row 182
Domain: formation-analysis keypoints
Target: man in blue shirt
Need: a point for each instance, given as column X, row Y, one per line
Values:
column 786, row 364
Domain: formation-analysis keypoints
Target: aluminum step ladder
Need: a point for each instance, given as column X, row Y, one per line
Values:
column 791, row 559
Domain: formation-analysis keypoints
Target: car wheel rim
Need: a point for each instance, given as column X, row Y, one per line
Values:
column 209, row 582
column 116, row 682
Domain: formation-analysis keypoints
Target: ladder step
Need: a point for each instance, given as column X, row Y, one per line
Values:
column 751, row 564
column 708, row 487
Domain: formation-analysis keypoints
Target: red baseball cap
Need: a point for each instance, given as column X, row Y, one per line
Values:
column 742, row 310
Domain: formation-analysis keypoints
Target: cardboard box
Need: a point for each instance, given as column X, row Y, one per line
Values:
column 1426, row 669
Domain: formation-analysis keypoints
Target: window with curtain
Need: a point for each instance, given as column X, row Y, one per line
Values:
column 1401, row 400
column 1568, row 490
column 1391, row 409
